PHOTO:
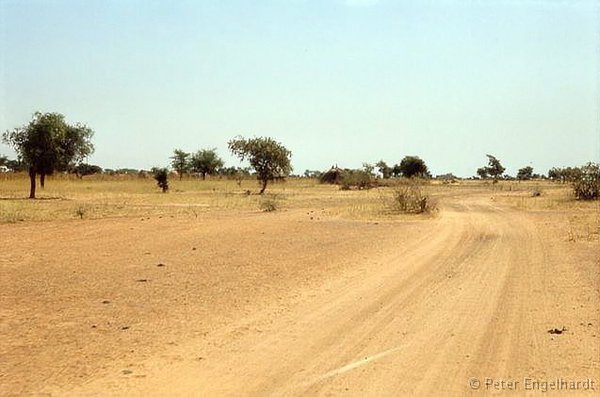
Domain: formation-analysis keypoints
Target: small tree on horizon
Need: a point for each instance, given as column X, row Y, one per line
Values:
column 84, row 169
column 180, row 162
column 412, row 166
column 482, row 172
column 269, row 158
column 206, row 161
column 368, row 168
column 494, row 168
column 384, row 169
column 525, row 173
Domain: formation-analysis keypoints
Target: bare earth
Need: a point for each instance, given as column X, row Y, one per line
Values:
column 282, row 304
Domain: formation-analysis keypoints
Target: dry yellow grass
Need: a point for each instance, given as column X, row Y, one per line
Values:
column 95, row 197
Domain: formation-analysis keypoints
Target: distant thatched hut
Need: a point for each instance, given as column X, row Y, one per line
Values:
column 334, row 176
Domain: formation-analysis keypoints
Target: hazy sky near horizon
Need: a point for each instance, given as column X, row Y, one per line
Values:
column 336, row 81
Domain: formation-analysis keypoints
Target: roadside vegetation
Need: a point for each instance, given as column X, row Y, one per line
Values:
column 50, row 148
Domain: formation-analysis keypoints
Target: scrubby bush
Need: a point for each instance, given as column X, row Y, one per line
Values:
column 349, row 179
column 411, row 198
column 269, row 204
column 587, row 185
column 357, row 179
column 161, row 175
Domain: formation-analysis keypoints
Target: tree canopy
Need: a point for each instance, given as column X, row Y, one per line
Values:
column 206, row 161
column 525, row 173
column 269, row 158
column 494, row 168
column 384, row 169
column 412, row 166
column 180, row 161
column 48, row 144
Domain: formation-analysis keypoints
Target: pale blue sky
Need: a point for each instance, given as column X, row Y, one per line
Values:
column 338, row 82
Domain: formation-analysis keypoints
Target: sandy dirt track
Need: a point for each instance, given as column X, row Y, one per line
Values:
column 282, row 304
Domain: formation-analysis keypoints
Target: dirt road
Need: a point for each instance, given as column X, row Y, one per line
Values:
column 449, row 306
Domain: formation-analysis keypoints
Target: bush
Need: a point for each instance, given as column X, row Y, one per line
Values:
column 357, row 179
column 269, row 204
column 411, row 198
column 587, row 184
column 161, row 175
column 349, row 179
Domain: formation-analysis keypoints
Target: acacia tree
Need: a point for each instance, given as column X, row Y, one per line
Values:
column 47, row 144
column 494, row 168
column 180, row 161
column 206, row 161
column 525, row 173
column 482, row 172
column 412, row 166
column 269, row 158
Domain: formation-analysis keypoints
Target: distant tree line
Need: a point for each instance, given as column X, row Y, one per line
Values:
column 48, row 144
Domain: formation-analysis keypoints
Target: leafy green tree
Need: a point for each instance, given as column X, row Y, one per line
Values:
column 269, row 158
column 84, row 169
column 567, row 174
column 412, row 166
column 494, row 168
column 47, row 144
column 180, row 161
column 396, row 170
column 482, row 172
column 206, row 161
column 525, row 173
column 368, row 168
column 384, row 169
column 161, row 175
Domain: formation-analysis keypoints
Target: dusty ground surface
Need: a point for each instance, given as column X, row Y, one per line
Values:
column 299, row 303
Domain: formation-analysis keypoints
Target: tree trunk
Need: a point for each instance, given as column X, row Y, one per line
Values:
column 204, row 176
column 42, row 180
column 32, row 183
column 264, row 186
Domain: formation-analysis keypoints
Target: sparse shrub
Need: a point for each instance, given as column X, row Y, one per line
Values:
column 536, row 192
column 349, row 179
column 587, row 185
column 411, row 198
column 161, row 175
column 357, row 179
column 269, row 204
column 81, row 211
